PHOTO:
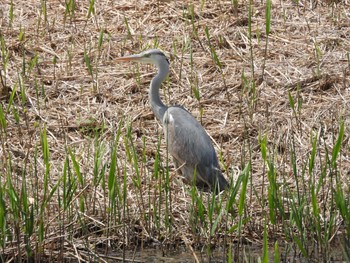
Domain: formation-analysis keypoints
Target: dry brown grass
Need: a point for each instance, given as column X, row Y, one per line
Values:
column 74, row 105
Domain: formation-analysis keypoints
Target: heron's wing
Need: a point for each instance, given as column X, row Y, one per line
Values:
column 191, row 146
column 187, row 140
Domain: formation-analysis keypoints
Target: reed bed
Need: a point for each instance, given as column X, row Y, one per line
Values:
column 84, row 170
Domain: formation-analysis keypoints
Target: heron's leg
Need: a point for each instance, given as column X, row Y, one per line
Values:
column 176, row 163
column 187, row 173
column 180, row 168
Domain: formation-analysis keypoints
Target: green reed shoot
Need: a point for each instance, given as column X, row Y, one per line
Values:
column 218, row 218
column 243, row 194
column 343, row 204
column 46, row 156
column 11, row 15
column 265, row 258
column 133, row 156
column 263, row 150
column 76, row 169
column 312, row 156
column 193, row 20
column 99, row 167
column 197, row 217
column 202, row 5
column 196, row 93
column 250, row 38
column 128, row 29
column 235, row 6
column 212, row 50
column 124, row 201
column 28, row 216
column 249, row 94
column 337, row 146
column 3, row 122
column 3, row 221
column 88, row 63
column 197, row 212
column 91, row 8
column 318, row 57
column 137, row 180
column 291, row 102
column 297, row 216
column 267, row 31
column 15, row 208
column 341, row 198
column 277, row 255
column 3, row 125
column 100, row 41
column 70, row 10
column 44, row 10
column 234, row 191
column 114, row 191
column 33, row 63
column 272, row 191
column 4, row 57
column 211, row 203
column 316, row 213
column 69, row 185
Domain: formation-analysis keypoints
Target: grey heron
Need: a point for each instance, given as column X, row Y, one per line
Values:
column 188, row 142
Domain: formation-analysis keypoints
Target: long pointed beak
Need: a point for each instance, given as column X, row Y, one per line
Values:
column 130, row 58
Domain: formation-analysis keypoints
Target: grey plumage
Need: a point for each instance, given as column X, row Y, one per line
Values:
column 187, row 141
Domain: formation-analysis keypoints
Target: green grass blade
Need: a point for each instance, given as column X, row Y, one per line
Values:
column 337, row 146
column 3, row 122
column 268, row 16
column 88, row 62
column 233, row 193
column 11, row 15
column 243, row 194
column 313, row 154
column 265, row 246
column 76, row 168
column 217, row 220
column 100, row 40
column 113, row 188
column 112, row 173
column 46, row 155
column 300, row 246
column 91, row 8
column 277, row 256
column 212, row 50
column 263, row 146
column 3, row 220
column 272, row 191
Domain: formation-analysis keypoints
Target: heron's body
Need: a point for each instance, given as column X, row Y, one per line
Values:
column 187, row 141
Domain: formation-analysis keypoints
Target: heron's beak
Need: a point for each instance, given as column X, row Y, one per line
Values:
column 130, row 58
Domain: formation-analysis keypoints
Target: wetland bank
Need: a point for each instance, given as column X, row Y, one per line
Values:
column 84, row 169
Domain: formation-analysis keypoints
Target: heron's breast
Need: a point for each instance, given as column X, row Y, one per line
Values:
column 168, row 120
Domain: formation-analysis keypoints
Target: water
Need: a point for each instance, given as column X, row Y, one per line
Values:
column 249, row 253
column 181, row 254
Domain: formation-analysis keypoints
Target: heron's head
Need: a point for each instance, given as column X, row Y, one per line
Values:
column 151, row 56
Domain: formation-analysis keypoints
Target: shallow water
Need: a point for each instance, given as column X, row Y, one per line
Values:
column 182, row 254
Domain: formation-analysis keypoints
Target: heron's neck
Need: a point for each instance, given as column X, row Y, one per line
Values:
column 157, row 105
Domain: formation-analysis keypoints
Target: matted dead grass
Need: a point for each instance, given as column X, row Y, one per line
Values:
column 307, row 56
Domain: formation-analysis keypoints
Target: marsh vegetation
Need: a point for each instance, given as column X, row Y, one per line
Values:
column 84, row 168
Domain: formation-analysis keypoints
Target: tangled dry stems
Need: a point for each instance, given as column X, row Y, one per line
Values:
column 306, row 56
